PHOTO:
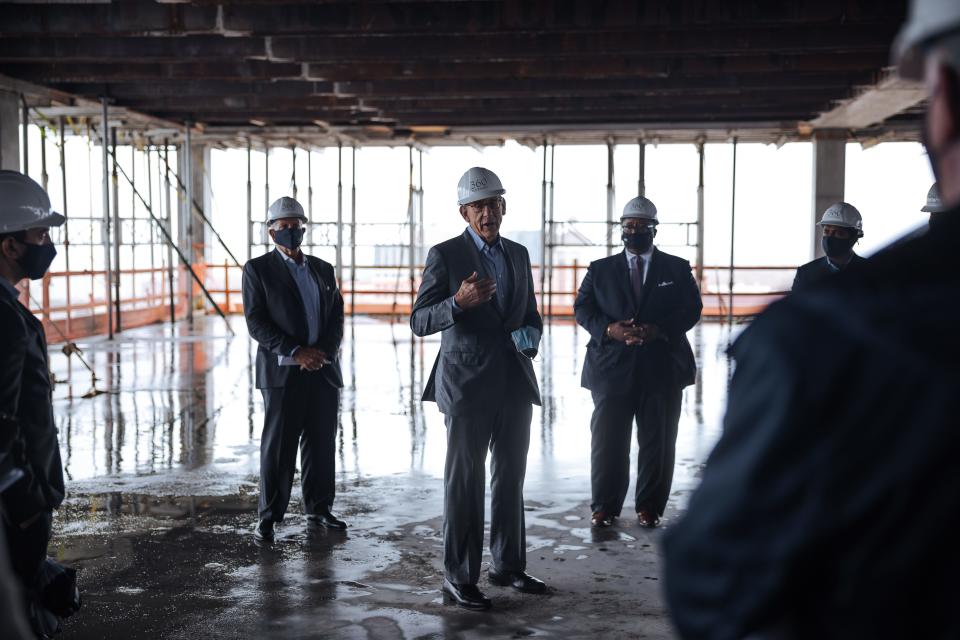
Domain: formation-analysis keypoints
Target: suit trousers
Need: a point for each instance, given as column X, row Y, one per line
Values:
column 657, row 412
column 303, row 412
column 505, row 430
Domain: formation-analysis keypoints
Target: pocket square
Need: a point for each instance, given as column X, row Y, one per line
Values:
column 666, row 283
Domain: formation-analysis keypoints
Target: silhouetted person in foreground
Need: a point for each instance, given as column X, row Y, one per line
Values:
column 831, row 505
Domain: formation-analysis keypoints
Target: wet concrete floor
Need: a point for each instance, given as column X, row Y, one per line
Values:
column 162, row 481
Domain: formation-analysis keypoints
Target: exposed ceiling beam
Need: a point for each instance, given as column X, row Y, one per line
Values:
column 887, row 98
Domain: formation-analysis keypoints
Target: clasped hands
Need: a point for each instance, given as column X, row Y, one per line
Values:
column 310, row 359
column 633, row 334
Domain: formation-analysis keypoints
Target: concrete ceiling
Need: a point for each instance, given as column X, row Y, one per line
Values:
column 414, row 69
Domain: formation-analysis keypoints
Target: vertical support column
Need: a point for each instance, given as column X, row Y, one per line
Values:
column 339, row 248
column 293, row 170
column 733, row 228
column 353, row 230
column 25, row 122
column 171, row 281
column 642, row 168
column 411, row 216
column 9, row 132
column 44, row 177
column 700, row 217
column 249, row 199
column 150, row 223
column 611, row 196
column 117, row 234
column 108, row 270
column 310, row 222
column 552, row 227
column 65, row 238
column 829, row 168
column 543, row 227
column 188, row 214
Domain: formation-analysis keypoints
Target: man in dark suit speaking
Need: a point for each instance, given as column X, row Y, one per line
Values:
column 294, row 311
column 638, row 306
column 477, row 290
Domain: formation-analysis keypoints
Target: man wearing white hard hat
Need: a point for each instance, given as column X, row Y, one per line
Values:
column 477, row 292
column 841, row 228
column 294, row 311
column 831, row 503
column 31, row 474
column 637, row 306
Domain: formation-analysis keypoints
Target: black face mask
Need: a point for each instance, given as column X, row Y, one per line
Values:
column 37, row 259
column 837, row 247
column 290, row 238
column 639, row 242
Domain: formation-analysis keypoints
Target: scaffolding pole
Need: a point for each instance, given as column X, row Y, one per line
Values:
column 293, row 170
column 733, row 226
column 642, row 168
column 249, row 199
column 700, row 217
column 611, row 195
column 310, row 192
column 413, row 233
column 543, row 227
column 108, row 271
column 339, row 251
column 266, row 192
column 25, row 116
column 188, row 219
column 66, row 215
column 44, row 178
column 552, row 228
column 353, row 230
column 169, row 229
column 116, row 231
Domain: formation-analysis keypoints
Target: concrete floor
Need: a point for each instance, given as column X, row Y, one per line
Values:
column 162, row 481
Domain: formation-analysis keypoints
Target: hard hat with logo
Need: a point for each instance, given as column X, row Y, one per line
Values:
column 640, row 208
column 24, row 204
column 285, row 207
column 929, row 20
column 934, row 205
column 842, row 214
column 478, row 184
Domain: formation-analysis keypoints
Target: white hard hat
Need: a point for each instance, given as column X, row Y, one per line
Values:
column 842, row 214
column 24, row 204
column 285, row 207
column 934, row 204
column 641, row 208
column 928, row 21
column 478, row 184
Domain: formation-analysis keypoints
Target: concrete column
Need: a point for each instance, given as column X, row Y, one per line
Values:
column 9, row 131
column 829, row 168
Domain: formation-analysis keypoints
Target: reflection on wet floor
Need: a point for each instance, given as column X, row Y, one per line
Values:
column 162, row 473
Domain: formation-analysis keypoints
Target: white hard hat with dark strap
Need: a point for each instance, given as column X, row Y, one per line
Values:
column 842, row 214
column 24, row 204
column 478, row 184
column 929, row 20
column 640, row 208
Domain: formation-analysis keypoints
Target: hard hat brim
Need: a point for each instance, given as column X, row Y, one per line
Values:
column 295, row 215
column 481, row 195
column 932, row 209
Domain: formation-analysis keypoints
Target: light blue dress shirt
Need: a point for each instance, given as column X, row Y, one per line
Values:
column 310, row 293
column 494, row 259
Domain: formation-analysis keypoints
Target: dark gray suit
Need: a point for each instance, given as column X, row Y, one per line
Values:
column 486, row 390
column 299, row 406
column 642, row 382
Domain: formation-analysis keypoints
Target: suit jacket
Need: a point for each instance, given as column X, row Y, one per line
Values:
column 816, row 270
column 27, row 429
column 670, row 300
column 831, row 503
column 478, row 362
column 276, row 318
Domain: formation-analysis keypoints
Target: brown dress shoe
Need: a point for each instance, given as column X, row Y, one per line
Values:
column 602, row 519
column 647, row 519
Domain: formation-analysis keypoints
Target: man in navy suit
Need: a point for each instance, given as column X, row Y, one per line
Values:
column 637, row 306
column 294, row 311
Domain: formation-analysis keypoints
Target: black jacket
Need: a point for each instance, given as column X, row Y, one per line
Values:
column 671, row 300
column 478, row 360
column 276, row 318
column 27, row 429
column 831, row 504
column 816, row 270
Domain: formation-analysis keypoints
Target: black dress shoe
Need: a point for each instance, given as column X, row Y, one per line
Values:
column 602, row 519
column 467, row 596
column 519, row 580
column 326, row 519
column 647, row 519
column 264, row 531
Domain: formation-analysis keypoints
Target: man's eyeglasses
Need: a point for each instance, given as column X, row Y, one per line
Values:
column 494, row 204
